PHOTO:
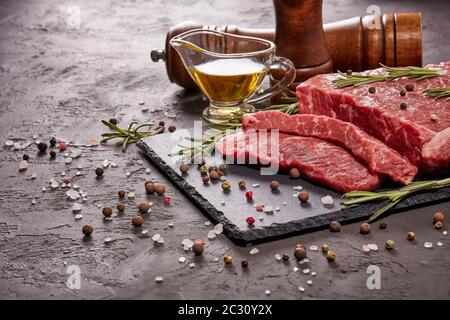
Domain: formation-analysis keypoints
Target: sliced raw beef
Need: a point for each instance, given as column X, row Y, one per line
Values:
column 380, row 115
column 315, row 158
column 379, row 157
column 435, row 152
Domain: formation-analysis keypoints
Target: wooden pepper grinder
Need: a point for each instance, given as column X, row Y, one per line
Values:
column 299, row 36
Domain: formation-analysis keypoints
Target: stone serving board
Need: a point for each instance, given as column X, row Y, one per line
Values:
column 232, row 208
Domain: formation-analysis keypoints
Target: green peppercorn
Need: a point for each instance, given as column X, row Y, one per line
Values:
column 330, row 255
column 390, row 244
column 325, row 248
column 99, row 171
column 226, row 186
column 411, row 236
column 223, row 168
column 228, row 259
column 42, row 146
column 203, row 170
column 241, row 184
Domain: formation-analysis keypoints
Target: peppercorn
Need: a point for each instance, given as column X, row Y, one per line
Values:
column 137, row 221
column 411, row 236
column 285, row 257
column 87, row 230
column 184, row 168
column 250, row 220
column 438, row 225
column 150, row 188
column 166, row 200
column 42, row 146
column 349, row 72
column 274, row 185
column 160, row 189
column 121, row 194
column 52, row 154
column 244, row 264
column 335, row 226
column 113, row 121
column 143, row 207
column 99, row 171
column 390, row 244
column 62, row 146
column 203, row 170
column 214, row 175
column 331, row 256
column 25, row 157
column 226, row 186
column 438, row 216
column 120, row 207
column 300, row 253
column 205, row 179
column 107, row 211
column 249, row 195
column 372, row 90
column 213, row 168
column 300, row 245
column 161, row 124
column 303, row 196
column 383, row 225
column 402, row 93
column 434, row 117
column 294, row 173
column 241, row 184
column 52, row 142
column 325, row 248
column 228, row 259
column 403, row 106
column 409, row 87
column 223, row 168
column 364, row 228
column 172, row 128
column 198, row 247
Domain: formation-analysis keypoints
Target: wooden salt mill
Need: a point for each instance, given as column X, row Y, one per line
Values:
column 357, row 43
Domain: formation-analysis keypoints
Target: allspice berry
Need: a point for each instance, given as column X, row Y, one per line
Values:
column 198, row 247
column 300, row 253
column 214, row 175
column 120, row 207
column 107, row 211
column 325, row 248
column 241, row 184
column 335, row 226
column 438, row 216
column 303, row 196
column 294, row 173
column 143, row 207
column 172, row 128
column 383, row 225
column 228, row 259
column 137, row 221
column 439, row 225
column 205, row 179
column 331, row 256
column 121, row 194
column 99, row 171
column 87, row 230
column 364, row 228
column 42, row 146
column 160, row 189
column 411, row 236
column 213, row 168
column 184, row 168
column 150, row 188
column 274, row 185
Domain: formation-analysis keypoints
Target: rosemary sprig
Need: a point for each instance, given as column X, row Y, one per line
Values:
column 130, row 135
column 438, row 93
column 394, row 196
column 419, row 73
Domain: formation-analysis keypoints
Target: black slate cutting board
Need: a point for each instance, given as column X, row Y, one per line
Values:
column 232, row 208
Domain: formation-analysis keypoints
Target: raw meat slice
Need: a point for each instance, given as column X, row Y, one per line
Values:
column 435, row 152
column 379, row 114
column 315, row 158
column 379, row 158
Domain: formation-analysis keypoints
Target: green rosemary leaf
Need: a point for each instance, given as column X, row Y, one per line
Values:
column 438, row 93
column 384, row 209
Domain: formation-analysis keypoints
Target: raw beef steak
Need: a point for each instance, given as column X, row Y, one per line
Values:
column 379, row 157
column 315, row 158
column 379, row 114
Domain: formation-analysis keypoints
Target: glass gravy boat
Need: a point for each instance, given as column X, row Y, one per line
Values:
column 229, row 70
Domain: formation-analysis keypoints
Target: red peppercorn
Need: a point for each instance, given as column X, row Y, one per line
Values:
column 166, row 200
column 250, row 220
column 66, row 181
column 62, row 146
column 249, row 195
column 259, row 207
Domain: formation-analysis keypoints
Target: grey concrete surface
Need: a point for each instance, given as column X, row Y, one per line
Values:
column 55, row 81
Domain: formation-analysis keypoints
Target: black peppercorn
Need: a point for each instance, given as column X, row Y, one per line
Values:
column 161, row 124
column 409, row 87
column 87, row 230
column 244, row 264
column 349, row 72
column 42, row 146
column 53, row 142
column 25, row 157
column 52, row 154
column 403, row 105
column 113, row 121
column 99, row 171
column 372, row 90
column 172, row 128
column 383, row 225
column 285, row 257
column 402, row 93
column 121, row 194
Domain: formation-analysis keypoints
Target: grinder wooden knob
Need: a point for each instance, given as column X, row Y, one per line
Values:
column 358, row 43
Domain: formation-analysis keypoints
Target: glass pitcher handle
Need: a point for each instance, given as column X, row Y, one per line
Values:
column 289, row 75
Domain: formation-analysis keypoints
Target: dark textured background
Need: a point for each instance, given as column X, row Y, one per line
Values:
column 57, row 81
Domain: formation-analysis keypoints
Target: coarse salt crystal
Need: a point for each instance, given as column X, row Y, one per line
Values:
column 76, row 207
column 207, row 223
column 170, row 224
column 191, row 265
column 159, row 279
column 298, row 188
column 108, row 240
column 33, row 202
column 144, row 232
column 327, row 200
column 428, row 245
column 373, row 246
column 23, row 165
column 255, row 185
column 278, row 257
column 148, row 171
column 268, row 292
column 313, row 248
column 445, row 233
column 156, row 237
column 277, row 208
column 439, row 244
column 309, row 282
column 365, row 248
column 295, row 269
column 254, row 251
column 131, row 195
column 33, row 176
column 313, row 273
column 301, row 289
column 181, row 259
column 9, row 143
column 306, row 271
column 128, row 173
column 78, row 216
column 218, row 228
column 68, row 160
column 187, row 242
column 268, row 209
column 211, row 235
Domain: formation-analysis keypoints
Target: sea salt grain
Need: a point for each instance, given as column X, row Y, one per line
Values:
column 295, row 269
column 255, row 185
column 33, row 176
column 159, row 279
column 128, row 173
column 445, row 233
column 187, row 242
column 191, row 265
column 268, row 292
column 313, row 248
column 207, row 223
column 131, row 195
column 327, row 200
column 54, row 185
column 170, row 224
column 439, row 244
column 428, row 245
column 309, row 282
column 301, row 289
column 373, row 247
column 278, row 257
column 76, row 207
column 108, row 240
column 23, row 165
column 306, row 271
column 298, row 188
column 156, row 237
column 78, row 216
column 365, row 248
column 181, row 259
column 268, row 209
column 254, row 251
column 313, row 273
column 218, row 228
column 211, row 235
column 144, row 232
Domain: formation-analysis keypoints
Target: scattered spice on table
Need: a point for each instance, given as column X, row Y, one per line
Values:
column 121, row 194
column 403, row 105
column 198, row 247
column 439, row 225
column 226, row 186
column 214, row 175
column 330, row 255
column 300, row 252
column 184, row 168
column 166, row 200
column 228, row 259
column 285, row 257
column 390, row 244
column 172, row 128
column 303, row 196
column 52, row 142
column 250, row 221
column 205, row 179
column 274, row 185
column 150, row 188
column 402, row 93
column 244, row 264
column 52, row 154
column 325, row 248
column 107, row 211
column 411, row 236
column 335, row 226
column 364, row 228
column 87, row 230
column 409, row 87
column 25, row 157
column 137, row 221
column 204, row 170
column 383, row 225
column 372, row 90
column 62, row 146
column 294, row 173
column 241, row 184
column 120, row 207
column 249, row 195
column 99, row 172
column 144, row 207
column 42, row 147
column 160, row 189
column 438, row 216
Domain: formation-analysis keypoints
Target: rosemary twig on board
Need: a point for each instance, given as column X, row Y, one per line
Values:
column 438, row 93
